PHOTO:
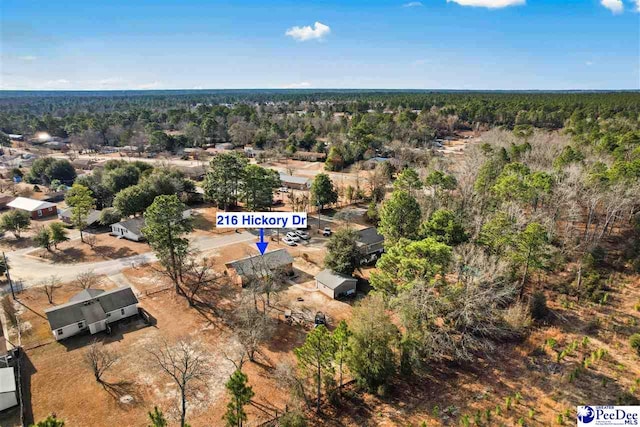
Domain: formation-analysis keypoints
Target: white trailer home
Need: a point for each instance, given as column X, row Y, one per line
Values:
column 92, row 310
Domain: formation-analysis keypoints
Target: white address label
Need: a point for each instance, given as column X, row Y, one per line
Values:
column 261, row 220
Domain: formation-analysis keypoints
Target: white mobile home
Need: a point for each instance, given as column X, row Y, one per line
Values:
column 92, row 310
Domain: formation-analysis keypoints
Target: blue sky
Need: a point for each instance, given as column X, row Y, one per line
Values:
column 431, row 44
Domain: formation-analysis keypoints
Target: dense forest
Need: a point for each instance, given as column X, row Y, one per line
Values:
column 349, row 125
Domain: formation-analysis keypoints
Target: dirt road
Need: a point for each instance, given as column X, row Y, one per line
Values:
column 30, row 271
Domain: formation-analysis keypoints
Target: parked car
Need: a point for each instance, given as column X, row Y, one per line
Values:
column 326, row 232
column 293, row 236
column 320, row 319
column 283, row 190
column 302, row 234
column 288, row 241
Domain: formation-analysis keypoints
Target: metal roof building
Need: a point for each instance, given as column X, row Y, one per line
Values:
column 335, row 284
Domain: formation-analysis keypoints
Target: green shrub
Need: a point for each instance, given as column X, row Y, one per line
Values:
column 593, row 287
column 634, row 341
column 507, row 403
column 293, row 419
column 627, row 399
column 435, row 412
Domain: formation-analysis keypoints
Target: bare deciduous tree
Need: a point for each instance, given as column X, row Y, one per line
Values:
column 253, row 328
column 187, row 366
column 99, row 359
column 49, row 286
column 87, row 280
column 198, row 277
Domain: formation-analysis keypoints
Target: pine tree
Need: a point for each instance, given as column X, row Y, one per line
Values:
column 157, row 418
column 316, row 356
column 241, row 395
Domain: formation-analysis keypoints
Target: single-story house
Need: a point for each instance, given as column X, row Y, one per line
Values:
column 93, row 310
column 36, row 208
column 335, row 285
column 130, row 229
column 224, row 146
column 55, row 145
column 309, row 156
column 8, row 395
column 16, row 137
column 370, row 243
column 66, row 214
column 195, row 172
column 295, row 182
column 260, row 265
column 83, row 164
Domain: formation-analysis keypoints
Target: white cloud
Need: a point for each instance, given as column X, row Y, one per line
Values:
column 491, row 4
column 588, row 63
column 419, row 62
column 318, row 32
column 57, row 84
column 417, row 4
column 150, row 85
column 299, row 85
column 27, row 58
column 111, row 82
column 637, row 5
column 615, row 6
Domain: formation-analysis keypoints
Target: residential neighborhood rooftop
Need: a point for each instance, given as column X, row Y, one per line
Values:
column 294, row 179
column 261, row 264
column 75, row 310
column 333, row 279
column 27, row 204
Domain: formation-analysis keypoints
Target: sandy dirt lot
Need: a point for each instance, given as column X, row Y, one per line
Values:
column 69, row 390
column 106, row 247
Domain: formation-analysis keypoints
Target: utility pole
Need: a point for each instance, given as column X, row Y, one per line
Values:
column 6, row 266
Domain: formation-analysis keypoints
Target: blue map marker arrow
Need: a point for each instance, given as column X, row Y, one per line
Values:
column 262, row 245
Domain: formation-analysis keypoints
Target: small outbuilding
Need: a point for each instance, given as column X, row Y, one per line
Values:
column 336, row 285
column 130, row 229
column 36, row 208
column 8, row 394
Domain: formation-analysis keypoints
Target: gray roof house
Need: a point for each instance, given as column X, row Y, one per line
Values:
column 130, row 229
column 370, row 241
column 295, row 182
column 91, row 309
column 335, row 285
column 261, row 265
column 66, row 214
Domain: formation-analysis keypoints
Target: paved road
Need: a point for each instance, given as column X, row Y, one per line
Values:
column 30, row 271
